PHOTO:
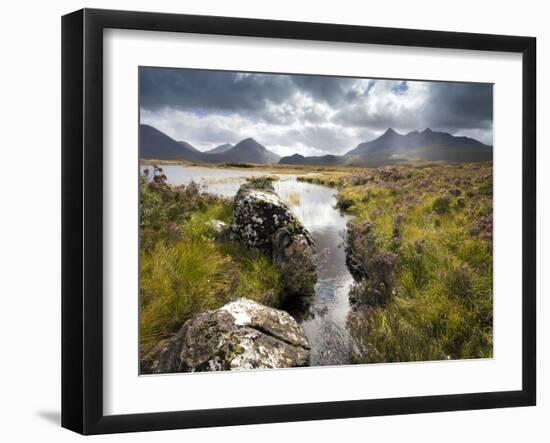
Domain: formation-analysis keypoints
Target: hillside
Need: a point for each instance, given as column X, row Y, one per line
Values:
column 154, row 144
column 188, row 145
column 221, row 148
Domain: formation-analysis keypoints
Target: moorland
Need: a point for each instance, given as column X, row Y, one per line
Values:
column 417, row 244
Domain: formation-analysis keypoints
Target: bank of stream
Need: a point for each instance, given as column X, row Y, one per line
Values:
column 324, row 315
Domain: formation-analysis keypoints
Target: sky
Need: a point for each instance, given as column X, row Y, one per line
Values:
column 306, row 114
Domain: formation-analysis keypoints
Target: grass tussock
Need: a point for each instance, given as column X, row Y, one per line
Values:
column 184, row 268
column 420, row 247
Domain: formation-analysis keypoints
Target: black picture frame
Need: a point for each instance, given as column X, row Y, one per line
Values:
column 82, row 219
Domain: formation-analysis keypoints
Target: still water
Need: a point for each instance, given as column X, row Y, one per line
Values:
column 324, row 318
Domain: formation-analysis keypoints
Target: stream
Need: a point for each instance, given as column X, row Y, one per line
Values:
column 324, row 316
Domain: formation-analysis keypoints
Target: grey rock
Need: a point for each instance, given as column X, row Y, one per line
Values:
column 264, row 222
column 240, row 335
column 220, row 229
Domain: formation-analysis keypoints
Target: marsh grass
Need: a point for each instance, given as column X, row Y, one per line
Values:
column 184, row 269
column 430, row 292
column 441, row 302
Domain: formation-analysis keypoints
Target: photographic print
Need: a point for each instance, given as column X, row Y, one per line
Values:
column 293, row 220
column 309, row 202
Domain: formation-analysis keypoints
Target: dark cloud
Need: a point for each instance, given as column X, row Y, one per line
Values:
column 219, row 91
column 456, row 106
column 331, row 90
column 308, row 114
column 379, row 119
column 452, row 107
column 210, row 90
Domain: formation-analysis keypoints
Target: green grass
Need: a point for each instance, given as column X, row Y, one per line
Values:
column 196, row 275
column 435, row 220
column 442, row 299
column 184, row 269
column 196, row 226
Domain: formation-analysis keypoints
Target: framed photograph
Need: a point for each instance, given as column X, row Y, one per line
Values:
column 269, row 221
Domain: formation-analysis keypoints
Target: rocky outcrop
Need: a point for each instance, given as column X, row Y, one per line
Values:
column 264, row 222
column 240, row 335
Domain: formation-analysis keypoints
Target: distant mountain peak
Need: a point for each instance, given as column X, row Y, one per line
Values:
column 249, row 150
column 221, row 148
column 250, row 143
column 154, row 144
column 427, row 145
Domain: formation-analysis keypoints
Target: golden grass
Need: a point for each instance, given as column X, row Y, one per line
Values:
column 443, row 295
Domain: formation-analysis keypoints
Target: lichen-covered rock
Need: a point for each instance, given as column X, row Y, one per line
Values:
column 259, row 213
column 220, row 229
column 240, row 335
column 264, row 222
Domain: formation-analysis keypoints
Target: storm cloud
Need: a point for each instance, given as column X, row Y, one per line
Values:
column 306, row 114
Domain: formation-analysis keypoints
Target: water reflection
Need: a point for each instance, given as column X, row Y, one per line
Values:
column 323, row 316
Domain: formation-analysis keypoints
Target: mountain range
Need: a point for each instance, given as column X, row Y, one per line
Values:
column 154, row 144
column 390, row 148
column 393, row 148
column 298, row 159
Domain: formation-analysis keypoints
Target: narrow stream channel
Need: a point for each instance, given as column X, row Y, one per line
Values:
column 324, row 319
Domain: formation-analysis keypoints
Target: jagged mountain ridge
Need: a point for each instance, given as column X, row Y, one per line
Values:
column 391, row 140
column 417, row 146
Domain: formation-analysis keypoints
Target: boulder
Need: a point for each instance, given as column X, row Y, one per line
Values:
column 220, row 229
column 240, row 335
column 263, row 221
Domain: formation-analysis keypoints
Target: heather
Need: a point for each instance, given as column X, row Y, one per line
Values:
column 418, row 245
column 420, row 250
column 185, row 267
